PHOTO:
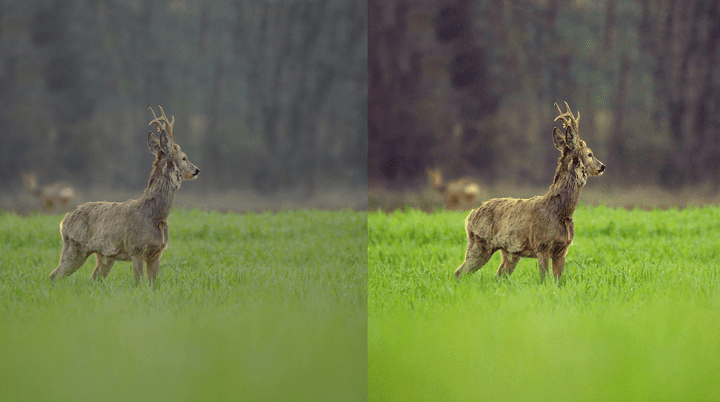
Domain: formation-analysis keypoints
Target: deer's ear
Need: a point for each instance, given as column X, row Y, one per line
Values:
column 153, row 143
column 571, row 138
column 166, row 143
column 558, row 139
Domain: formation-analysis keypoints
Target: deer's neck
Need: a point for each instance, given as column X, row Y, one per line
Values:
column 158, row 197
column 563, row 195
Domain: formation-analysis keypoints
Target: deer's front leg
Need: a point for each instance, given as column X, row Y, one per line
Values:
column 137, row 263
column 558, row 266
column 153, row 264
column 543, row 264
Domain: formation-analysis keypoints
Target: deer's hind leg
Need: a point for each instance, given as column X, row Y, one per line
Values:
column 478, row 254
column 509, row 261
column 72, row 258
column 103, row 266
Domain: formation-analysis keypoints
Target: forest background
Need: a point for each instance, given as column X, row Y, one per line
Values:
column 469, row 86
column 268, row 96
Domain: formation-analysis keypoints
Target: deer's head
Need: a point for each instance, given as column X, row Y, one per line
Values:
column 575, row 153
column 30, row 180
column 170, row 159
column 436, row 179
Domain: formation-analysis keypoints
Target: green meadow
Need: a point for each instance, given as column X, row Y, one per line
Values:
column 636, row 316
column 269, row 306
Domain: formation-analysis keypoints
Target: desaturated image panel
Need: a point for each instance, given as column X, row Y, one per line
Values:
column 183, row 200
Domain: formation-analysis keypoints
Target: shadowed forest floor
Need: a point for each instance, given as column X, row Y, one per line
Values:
column 332, row 199
column 641, row 197
column 378, row 197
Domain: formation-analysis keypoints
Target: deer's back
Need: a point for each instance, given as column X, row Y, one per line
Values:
column 59, row 189
column 463, row 186
column 500, row 217
column 519, row 226
column 99, row 226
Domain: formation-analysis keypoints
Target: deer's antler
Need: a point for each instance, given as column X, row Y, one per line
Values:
column 568, row 119
column 162, row 122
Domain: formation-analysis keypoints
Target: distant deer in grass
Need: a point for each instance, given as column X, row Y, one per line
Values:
column 134, row 230
column 458, row 192
column 539, row 227
column 55, row 197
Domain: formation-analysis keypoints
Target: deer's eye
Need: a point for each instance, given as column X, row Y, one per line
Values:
column 590, row 155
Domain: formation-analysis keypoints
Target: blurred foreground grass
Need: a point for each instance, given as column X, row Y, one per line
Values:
column 635, row 318
column 247, row 307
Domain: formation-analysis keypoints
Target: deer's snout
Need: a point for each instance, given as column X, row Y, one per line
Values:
column 602, row 168
column 191, row 174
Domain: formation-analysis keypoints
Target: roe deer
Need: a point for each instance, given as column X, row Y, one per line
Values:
column 455, row 193
column 539, row 227
column 55, row 197
column 134, row 230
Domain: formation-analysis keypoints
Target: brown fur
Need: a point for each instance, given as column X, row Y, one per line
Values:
column 456, row 193
column 134, row 230
column 540, row 227
column 53, row 198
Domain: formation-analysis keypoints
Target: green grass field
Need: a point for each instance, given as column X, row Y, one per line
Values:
column 247, row 307
column 636, row 317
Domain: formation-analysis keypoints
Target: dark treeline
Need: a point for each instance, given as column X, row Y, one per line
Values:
column 469, row 86
column 266, row 94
